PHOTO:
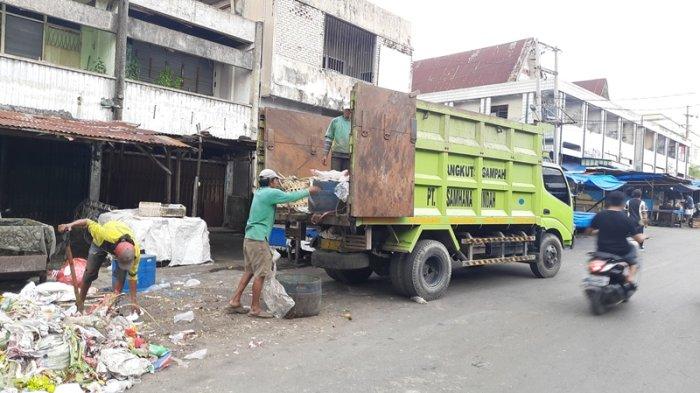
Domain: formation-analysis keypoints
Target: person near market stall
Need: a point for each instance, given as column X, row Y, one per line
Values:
column 637, row 212
column 117, row 239
column 256, row 249
column 689, row 205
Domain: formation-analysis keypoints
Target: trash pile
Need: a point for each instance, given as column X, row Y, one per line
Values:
column 47, row 345
column 341, row 190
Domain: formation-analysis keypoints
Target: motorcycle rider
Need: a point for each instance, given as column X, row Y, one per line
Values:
column 613, row 227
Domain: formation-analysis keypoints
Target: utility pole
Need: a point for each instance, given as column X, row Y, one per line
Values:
column 120, row 58
column 557, row 111
column 538, row 86
column 687, row 122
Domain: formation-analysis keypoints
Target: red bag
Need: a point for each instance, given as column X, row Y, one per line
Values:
column 80, row 266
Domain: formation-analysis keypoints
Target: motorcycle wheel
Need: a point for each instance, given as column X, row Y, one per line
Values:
column 595, row 299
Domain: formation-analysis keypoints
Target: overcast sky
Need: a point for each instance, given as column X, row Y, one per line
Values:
column 643, row 48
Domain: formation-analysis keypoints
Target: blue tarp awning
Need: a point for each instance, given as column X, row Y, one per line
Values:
column 582, row 220
column 573, row 167
column 603, row 182
column 696, row 183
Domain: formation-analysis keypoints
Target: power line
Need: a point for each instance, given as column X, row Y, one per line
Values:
column 646, row 98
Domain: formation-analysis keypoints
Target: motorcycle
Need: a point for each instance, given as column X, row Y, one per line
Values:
column 606, row 284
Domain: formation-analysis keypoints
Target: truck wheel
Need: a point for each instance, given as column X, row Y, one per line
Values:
column 350, row 277
column 426, row 272
column 396, row 273
column 549, row 258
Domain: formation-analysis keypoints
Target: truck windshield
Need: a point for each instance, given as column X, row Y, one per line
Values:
column 555, row 183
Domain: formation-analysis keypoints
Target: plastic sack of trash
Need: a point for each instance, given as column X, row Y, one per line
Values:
column 64, row 276
column 339, row 176
column 273, row 293
column 55, row 352
column 342, row 190
column 122, row 363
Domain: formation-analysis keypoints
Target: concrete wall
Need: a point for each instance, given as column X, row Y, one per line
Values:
column 37, row 85
column 202, row 15
column 175, row 112
column 293, row 49
column 515, row 106
column 42, row 86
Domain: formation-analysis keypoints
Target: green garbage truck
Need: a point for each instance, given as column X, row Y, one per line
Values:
column 432, row 188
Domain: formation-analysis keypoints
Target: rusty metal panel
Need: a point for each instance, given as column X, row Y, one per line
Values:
column 384, row 152
column 293, row 142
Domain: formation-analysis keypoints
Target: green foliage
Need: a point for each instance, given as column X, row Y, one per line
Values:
column 98, row 67
column 133, row 66
column 167, row 78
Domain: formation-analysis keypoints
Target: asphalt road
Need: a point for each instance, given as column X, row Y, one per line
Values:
column 498, row 329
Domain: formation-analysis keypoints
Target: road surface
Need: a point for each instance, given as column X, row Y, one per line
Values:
column 498, row 329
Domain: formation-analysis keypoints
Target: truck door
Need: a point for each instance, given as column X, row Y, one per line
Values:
column 291, row 143
column 558, row 209
column 383, row 152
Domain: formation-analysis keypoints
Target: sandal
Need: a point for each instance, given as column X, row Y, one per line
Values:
column 261, row 314
column 235, row 310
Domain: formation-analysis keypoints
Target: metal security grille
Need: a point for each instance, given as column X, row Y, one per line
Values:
column 348, row 49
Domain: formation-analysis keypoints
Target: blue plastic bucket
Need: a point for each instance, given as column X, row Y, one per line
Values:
column 146, row 275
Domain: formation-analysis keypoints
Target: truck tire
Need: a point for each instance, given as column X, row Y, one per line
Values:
column 350, row 277
column 396, row 273
column 548, row 259
column 426, row 272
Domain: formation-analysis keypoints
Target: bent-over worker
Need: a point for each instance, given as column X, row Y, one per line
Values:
column 256, row 249
column 338, row 136
column 115, row 238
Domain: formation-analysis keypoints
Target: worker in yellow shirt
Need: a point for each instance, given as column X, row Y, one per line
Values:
column 116, row 238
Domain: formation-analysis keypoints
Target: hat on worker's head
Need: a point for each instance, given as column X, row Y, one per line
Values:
column 269, row 174
column 124, row 251
column 347, row 107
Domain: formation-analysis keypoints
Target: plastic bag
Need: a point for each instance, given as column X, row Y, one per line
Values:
column 197, row 355
column 274, row 295
column 342, row 190
column 187, row 316
column 63, row 275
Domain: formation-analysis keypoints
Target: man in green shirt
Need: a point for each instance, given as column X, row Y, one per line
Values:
column 256, row 250
column 338, row 135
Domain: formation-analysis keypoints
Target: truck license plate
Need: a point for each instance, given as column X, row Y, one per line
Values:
column 599, row 281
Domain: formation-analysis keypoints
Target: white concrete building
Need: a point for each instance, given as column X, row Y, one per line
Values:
column 501, row 81
column 188, row 66
column 314, row 51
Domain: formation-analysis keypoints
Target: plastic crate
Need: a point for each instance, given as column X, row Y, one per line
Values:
column 146, row 274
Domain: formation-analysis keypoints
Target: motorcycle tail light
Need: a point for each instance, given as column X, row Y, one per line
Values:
column 595, row 265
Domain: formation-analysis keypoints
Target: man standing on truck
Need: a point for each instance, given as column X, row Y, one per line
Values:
column 116, row 238
column 338, row 136
column 256, row 249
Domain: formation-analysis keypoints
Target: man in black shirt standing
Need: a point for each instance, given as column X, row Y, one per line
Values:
column 613, row 228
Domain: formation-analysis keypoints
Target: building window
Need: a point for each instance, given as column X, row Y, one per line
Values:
column 24, row 33
column 500, row 111
column 348, row 49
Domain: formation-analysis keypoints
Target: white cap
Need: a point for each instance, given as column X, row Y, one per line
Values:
column 269, row 174
column 346, row 107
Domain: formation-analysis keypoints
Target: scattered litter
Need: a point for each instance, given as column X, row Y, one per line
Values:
column 480, row 364
column 68, row 388
column 255, row 343
column 45, row 345
column 177, row 337
column 156, row 287
column 192, row 282
column 197, row 355
column 342, row 190
column 185, row 316
column 419, row 300
column 346, row 314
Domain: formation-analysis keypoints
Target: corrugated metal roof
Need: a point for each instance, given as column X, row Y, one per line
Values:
column 479, row 67
column 86, row 129
column 595, row 86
